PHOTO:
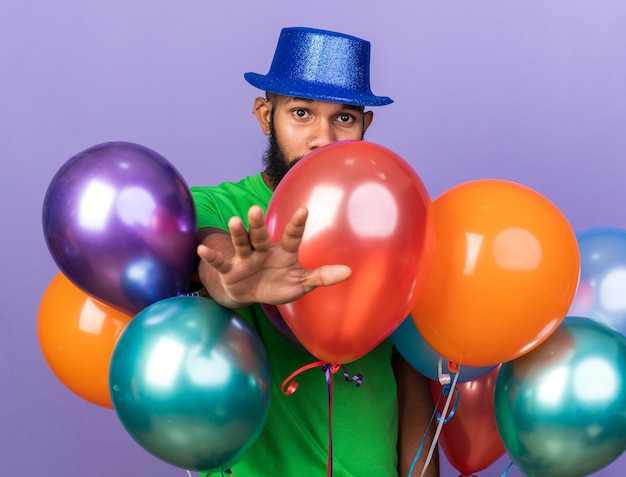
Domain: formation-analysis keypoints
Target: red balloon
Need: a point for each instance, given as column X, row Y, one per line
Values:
column 368, row 209
column 470, row 439
column 273, row 315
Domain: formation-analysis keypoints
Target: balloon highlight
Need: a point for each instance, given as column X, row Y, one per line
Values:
column 190, row 382
column 119, row 222
column 77, row 335
column 601, row 293
column 560, row 408
column 505, row 271
column 368, row 209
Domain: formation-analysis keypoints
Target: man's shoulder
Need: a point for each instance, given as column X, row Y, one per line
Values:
column 249, row 189
column 215, row 205
column 245, row 184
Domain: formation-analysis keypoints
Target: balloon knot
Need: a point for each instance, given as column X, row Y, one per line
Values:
column 289, row 386
column 188, row 294
column 333, row 367
column 329, row 369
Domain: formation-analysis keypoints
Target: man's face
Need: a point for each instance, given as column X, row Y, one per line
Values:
column 298, row 126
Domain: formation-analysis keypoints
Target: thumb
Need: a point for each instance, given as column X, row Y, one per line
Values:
column 327, row 275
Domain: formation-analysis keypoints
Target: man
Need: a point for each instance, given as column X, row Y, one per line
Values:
column 315, row 94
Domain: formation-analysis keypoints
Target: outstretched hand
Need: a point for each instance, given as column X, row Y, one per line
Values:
column 249, row 268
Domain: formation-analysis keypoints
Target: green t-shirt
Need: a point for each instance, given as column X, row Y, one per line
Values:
column 294, row 441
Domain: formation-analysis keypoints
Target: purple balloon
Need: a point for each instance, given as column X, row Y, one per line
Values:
column 119, row 221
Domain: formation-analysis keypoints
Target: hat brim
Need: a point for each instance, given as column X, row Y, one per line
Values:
column 319, row 91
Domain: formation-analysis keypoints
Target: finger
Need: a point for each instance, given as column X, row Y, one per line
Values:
column 294, row 230
column 214, row 259
column 258, row 234
column 326, row 275
column 239, row 237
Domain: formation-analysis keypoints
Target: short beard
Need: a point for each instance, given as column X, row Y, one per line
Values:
column 276, row 163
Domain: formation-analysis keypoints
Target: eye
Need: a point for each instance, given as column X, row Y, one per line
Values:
column 346, row 118
column 301, row 113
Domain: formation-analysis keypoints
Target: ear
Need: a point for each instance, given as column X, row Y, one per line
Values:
column 368, row 117
column 262, row 109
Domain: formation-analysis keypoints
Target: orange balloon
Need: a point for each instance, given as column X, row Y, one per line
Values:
column 77, row 335
column 505, row 270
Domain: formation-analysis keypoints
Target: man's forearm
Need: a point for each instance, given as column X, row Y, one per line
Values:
column 415, row 408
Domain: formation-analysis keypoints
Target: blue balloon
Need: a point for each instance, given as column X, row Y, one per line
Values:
column 422, row 357
column 601, row 293
column 560, row 408
column 190, row 382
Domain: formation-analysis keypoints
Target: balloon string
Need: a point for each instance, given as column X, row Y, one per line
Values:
column 293, row 385
column 443, row 378
column 446, row 391
column 419, row 449
column 330, row 370
column 439, row 426
column 504, row 474
column 289, row 386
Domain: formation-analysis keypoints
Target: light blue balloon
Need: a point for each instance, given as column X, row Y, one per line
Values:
column 601, row 293
column 190, row 382
column 423, row 358
column 561, row 408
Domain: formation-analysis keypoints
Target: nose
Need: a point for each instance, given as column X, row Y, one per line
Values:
column 321, row 135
